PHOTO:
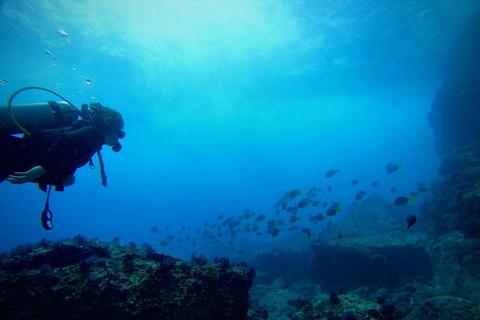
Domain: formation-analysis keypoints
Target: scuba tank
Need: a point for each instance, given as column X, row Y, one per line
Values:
column 32, row 117
column 45, row 115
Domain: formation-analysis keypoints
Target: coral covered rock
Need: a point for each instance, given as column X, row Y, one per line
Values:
column 281, row 304
column 445, row 307
column 348, row 306
column 89, row 279
column 306, row 288
column 457, row 266
column 455, row 201
column 417, row 301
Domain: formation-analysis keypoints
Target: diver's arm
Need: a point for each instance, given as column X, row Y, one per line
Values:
column 28, row 176
column 62, row 158
column 34, row 173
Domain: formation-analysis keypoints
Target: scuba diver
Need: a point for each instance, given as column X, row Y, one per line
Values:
column 55, row 143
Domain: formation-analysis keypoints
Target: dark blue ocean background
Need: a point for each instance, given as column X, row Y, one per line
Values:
column 228, row 105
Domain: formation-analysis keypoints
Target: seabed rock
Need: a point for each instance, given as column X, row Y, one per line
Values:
column 281, row 304
column 348, row 306
column 89, row 279
column 271, row 302
column 306, row 288
column 445, row 307
column 458, row 266
column 375, row 251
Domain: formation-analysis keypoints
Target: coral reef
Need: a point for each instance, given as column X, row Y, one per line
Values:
column 89, row 279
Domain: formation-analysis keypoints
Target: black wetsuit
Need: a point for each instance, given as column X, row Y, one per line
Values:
column 59, row 151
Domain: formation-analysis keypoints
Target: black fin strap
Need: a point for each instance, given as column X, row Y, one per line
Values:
column 102, row 169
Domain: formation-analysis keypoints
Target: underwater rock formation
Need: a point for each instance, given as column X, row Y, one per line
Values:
column 452, row 213
column 271, row 302
column 376, row 249
column 445, row 307
column 451, row 216
column 455, row 111
column 415, row 301
column 455, row 201
column 290, row 265
column 89, row 279
column 280, row 304
column 456, row 265
column 345, row 306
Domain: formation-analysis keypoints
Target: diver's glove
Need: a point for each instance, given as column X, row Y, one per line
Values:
column 28, row 176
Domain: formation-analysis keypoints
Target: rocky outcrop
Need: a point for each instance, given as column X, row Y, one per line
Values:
column 457, row 266
column 375, row 250
column 415, row 301
column 455, row 201
column 277, row 301
column 455, row 111
column 345, row 306
column 280, row 304
column 452, row 218
column 445, row 307
column 452, row 213
column 89, row 279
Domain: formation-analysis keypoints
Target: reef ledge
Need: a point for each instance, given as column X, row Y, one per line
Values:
column 81, row 278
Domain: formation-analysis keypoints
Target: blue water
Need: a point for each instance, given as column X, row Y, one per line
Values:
column 228, row 105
